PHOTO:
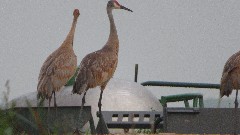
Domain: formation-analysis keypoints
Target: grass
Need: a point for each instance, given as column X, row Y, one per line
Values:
column 7, row 118
column 10, row 119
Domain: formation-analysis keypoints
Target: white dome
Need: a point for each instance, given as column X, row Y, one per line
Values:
column 119, row 95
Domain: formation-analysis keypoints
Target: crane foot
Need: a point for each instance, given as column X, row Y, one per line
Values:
column 99, row 106
column 76, row 132
column 83, row 100
column 236, row 103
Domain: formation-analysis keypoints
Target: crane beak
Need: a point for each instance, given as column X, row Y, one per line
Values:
column 122, row 7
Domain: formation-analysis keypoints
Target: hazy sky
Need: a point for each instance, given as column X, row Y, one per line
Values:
column 171, row 40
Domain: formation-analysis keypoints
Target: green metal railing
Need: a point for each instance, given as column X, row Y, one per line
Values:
column 181, row 84
column 196, row 97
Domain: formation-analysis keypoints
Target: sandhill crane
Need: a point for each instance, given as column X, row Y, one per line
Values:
column 231, row 80
column 59, row 66
column 231, row 77
column 98, row 67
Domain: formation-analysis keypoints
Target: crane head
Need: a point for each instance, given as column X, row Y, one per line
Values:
column 115, row 5
column 76, row 13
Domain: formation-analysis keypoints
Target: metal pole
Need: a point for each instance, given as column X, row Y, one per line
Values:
column 136, row 72
column 186, row 103
column 181, row 84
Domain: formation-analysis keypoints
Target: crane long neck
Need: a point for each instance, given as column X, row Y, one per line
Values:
column 113, row 30
column 69, row 39
column 113, row 37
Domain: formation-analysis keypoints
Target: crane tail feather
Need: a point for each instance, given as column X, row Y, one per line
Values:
column 79, row 89
column 45, row 89
column 226, row 86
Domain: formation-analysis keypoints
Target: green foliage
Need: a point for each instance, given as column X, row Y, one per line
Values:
column 72, row 80
column 7, row 117
column 147, row 131
column 15, row 120
column 7, row 122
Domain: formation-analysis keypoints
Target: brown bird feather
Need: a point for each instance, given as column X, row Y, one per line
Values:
column 59, row 67
column 97, row 68
column 231, row 75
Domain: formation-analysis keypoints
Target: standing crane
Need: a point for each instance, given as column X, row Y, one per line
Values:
column 231, row 80
column 59, row 66
column 97, row 68
column 231, row 77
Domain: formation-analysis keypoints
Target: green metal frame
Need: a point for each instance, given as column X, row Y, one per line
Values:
column 196, row 97
column 181, row 84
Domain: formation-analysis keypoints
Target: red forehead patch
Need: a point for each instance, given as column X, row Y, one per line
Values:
column 117, row 3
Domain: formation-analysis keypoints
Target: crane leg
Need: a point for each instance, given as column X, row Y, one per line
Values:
column 48, row 114
column 236, row 115
column 55, row 103
column 99, row 102
column 80, row 115
column 236, row 101
column 49, row 102
column 83, row 100
column 100, row 98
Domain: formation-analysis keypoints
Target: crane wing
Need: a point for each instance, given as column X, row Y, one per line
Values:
column 230, row 77
column 63, row 69
column 55, row 72
column 95, row 69
column 232, row 62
